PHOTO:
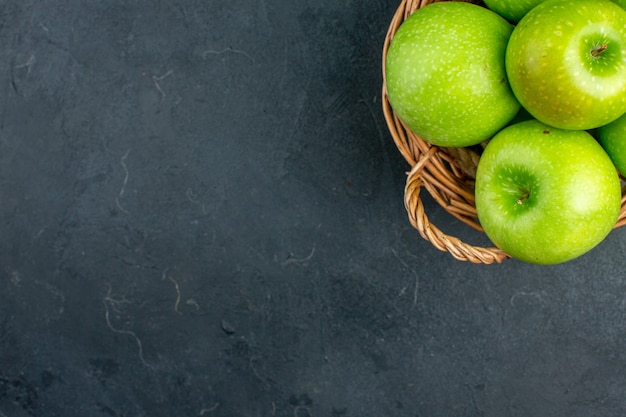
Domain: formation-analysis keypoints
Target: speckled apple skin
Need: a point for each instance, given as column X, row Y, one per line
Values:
column 446, row 76
column 512, row 10
column 552, row 71
column 546, row 195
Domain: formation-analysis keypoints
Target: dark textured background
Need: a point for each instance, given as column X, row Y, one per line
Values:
column 201, row 215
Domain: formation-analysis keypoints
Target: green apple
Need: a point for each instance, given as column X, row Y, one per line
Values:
column 566, row 62
column 445, row 74
column 612, row 137
column 512, row 10
column 546, row 195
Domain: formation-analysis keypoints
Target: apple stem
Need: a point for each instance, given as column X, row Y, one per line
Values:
column 523, row 197
column 597, row 50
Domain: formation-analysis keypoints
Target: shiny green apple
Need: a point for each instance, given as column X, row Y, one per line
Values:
column 546, row 195
column 512, row 10
column 612, row 137
column 566, row 62
column 445, row 74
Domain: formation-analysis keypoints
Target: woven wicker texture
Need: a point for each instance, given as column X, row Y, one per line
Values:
column 447, row 174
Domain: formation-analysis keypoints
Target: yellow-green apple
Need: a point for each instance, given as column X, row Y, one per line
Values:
column 445, row 73
column 546, row 195
column 566, row 62
column 512, row 10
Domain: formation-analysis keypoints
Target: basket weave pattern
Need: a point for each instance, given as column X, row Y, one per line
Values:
column 447, row 174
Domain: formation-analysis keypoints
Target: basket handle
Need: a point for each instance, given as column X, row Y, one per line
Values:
column 446, row 243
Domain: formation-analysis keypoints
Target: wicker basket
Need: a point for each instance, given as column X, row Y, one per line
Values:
column 447, row 174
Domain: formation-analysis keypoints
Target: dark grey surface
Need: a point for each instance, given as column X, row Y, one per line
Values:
column 201, row 215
